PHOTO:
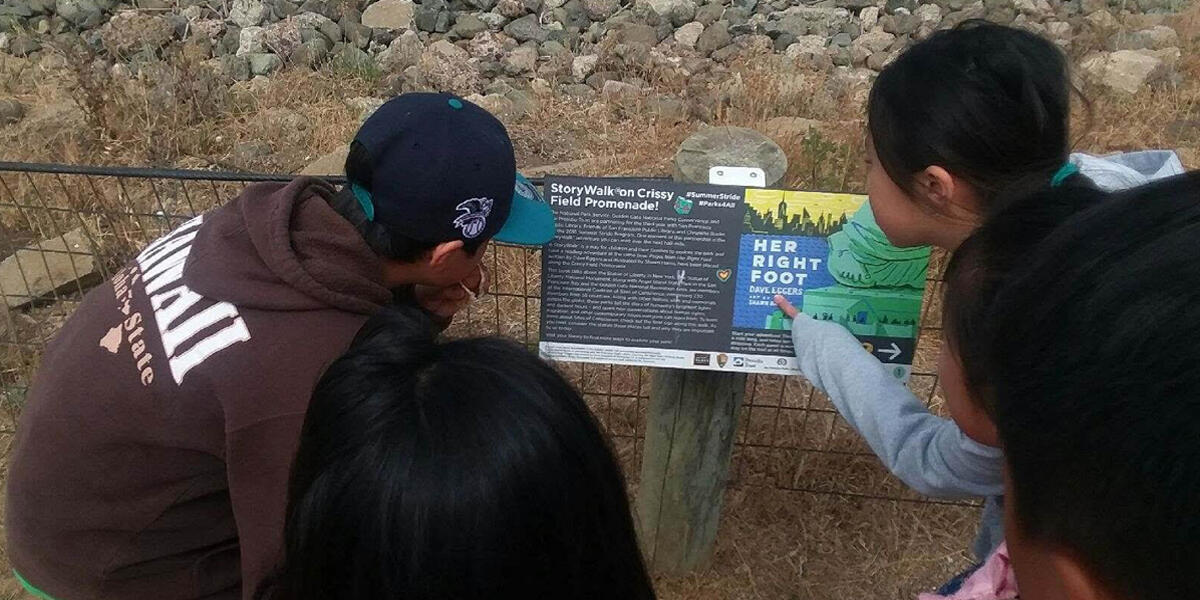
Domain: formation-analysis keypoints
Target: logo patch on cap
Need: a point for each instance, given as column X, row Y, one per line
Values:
column 474, row 219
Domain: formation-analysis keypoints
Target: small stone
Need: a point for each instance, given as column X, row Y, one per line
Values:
column 511, row 9
column 352, row 59
column 309, row 21
column 620, row 93
column 389, row 14
column 636, row 34
column 1154, row 38
column 928, row 13
column 521, row 61
column 841, row 40
column 330, row 9
column 1058, row 30
column 357, row 34
column 235, row 67
column 527, row 28
column 363, row 106
column 579, row 90
column 130, row 31
column 312, row 52
column 901, row 23
column 448, row 68
column 248, row 13
column 11, row 111
column 1088, row 7
column 404, row 52
column 709, row 13
column 494, row 21
column 1034, row 8
column 283, row 38
column 689, row 34
column 84, row 14
column 333, row 163
column 600, row 10
column 583, row 66
column 468, row 26
column 715, row 37
column 870, row 43
column 5, row 40
column 251, row 41
column 1103, row 21
column 667, row 109
column 264, row 63
column 869, row 17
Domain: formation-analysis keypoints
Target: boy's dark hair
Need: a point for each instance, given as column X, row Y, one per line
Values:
column 464, row 469
column 1093, row 359
column 984, row 261
column 989, row 103
column 383, row 240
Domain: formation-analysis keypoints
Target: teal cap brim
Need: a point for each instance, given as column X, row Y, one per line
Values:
column 530, row 221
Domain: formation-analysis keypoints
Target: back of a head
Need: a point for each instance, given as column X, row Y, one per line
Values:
column 1093, row 362
column 988, row 103
column 984, row 261
column 464, row 469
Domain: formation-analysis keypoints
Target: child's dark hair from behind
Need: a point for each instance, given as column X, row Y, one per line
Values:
column 984, row 261
column 988, row 103
column 1093, row 362
column 461, row 469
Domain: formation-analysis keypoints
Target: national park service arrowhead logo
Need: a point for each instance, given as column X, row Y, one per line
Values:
column 722, row 359
column 112, row 340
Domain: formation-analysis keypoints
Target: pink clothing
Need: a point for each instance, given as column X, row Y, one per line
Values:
column 994, row 580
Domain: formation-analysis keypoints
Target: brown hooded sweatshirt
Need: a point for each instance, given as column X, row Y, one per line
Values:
column 152, row 457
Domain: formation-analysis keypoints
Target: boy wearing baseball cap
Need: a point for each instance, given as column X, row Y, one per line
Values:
column 153, row 454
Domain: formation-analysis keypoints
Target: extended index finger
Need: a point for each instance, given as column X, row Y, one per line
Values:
column 786, row 306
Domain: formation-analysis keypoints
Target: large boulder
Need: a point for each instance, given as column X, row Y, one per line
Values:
column 58, row 264
column 729, row 147
column 1126, row 71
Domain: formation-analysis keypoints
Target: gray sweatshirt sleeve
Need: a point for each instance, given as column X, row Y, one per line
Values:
column 928, row 453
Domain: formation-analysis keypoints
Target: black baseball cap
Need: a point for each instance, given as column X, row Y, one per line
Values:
column 443, row 169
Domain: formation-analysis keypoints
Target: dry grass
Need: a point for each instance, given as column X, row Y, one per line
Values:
column 828, row 541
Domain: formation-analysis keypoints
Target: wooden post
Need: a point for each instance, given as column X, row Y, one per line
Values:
column 692, row 418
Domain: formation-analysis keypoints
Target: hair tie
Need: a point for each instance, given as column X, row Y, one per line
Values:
column 1063, row 173
column 364, row 200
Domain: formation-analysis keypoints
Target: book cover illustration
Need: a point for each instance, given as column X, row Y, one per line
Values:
column 828, row 256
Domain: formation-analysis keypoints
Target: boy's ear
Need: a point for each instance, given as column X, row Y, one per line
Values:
column 443, row 251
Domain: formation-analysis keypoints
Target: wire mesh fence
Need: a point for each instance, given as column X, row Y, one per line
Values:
column 67, row 229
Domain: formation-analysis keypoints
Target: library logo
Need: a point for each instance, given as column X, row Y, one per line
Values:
column 702, row 359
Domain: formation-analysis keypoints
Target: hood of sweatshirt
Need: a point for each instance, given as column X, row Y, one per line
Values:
column 282, row 247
